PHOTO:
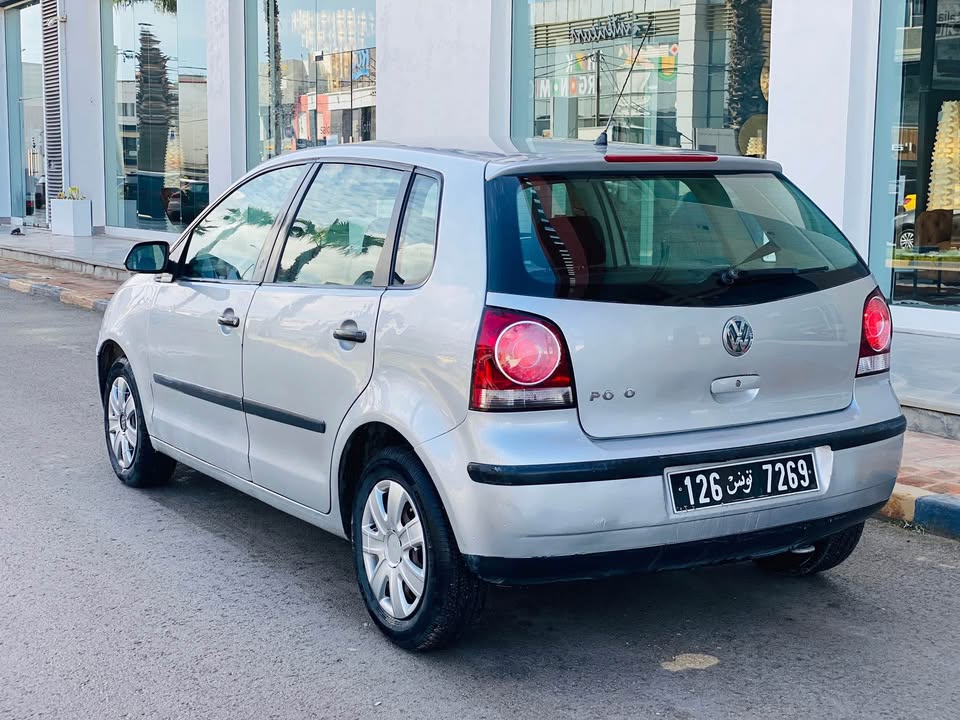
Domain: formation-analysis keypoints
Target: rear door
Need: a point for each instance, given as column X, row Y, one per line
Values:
column 309, row 344
column 688, row 300
column 198, row 319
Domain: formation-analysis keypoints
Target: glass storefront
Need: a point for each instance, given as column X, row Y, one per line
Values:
column 155, row 112
column 24, row 37
column 700, row 81
column 915, row 222
column 314, row 71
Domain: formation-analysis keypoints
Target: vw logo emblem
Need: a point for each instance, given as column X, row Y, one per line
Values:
column 737, row 336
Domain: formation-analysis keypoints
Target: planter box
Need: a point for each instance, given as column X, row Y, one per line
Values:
column 71, row 217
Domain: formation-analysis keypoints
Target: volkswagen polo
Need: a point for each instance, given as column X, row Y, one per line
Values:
column 514, row 367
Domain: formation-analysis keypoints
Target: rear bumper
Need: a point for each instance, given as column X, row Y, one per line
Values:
column 729, row 548
column 534, row 486
column 557, row 473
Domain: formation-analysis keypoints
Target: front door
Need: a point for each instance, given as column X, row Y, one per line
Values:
column 198, row 320
column 309, row 343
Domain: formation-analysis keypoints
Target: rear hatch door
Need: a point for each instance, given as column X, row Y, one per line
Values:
column 689, row 300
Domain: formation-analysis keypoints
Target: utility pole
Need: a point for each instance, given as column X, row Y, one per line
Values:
column 596, row 61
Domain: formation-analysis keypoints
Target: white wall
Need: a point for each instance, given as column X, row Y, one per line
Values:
column 226, row 93
column 443, row 69
column 4, row 125
column 83, row 104
column 823, row 74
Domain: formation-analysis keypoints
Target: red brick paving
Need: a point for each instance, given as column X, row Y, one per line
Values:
column 931, row 463
column 80, row 286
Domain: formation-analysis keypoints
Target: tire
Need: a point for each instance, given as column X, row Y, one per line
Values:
column 907, row 239
column 132, row 456
column 451, row 597
column 827, row 554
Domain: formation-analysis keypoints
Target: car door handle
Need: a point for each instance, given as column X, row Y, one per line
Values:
column 229, row 320
column 349, row 334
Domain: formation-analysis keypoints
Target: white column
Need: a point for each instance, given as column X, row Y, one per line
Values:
column 226, row 93
column 692, row 75
column 823, row 75
column 82, row 97
column 443, row 69
column 5, row 211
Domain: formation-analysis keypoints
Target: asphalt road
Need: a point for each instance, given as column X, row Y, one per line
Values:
column 196, row 601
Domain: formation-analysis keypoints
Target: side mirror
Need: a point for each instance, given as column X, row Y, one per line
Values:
column 148, row 257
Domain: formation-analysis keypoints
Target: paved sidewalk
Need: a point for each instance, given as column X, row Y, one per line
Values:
column 70, row 288
column 927, row 494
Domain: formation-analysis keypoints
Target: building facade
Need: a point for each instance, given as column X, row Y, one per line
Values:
column 153, row 107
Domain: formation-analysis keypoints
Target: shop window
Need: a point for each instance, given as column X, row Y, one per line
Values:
column 915, row 228
column 701, row 78
column 312, row 66
column 155, row 113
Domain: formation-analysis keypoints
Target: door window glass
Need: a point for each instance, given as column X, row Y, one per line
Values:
column 226, row 244
column 339, row 232
column 418, row 234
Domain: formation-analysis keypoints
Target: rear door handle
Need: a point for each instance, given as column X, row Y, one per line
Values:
column 349, row 334
column 229, row 320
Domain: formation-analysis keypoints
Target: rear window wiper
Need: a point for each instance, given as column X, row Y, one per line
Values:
column 731, row 276
column 732, row 273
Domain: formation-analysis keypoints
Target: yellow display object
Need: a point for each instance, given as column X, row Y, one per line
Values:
column 945, row 169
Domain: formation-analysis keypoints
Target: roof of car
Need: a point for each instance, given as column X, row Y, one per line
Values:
column 510, row 156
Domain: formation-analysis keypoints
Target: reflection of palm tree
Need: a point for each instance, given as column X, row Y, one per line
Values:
column 747, row 58
column 156, row 111
column 165, row 6
column 271, row 9
column 335, row 236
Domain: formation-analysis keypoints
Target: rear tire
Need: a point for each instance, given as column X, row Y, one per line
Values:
column 132, row 456
column 442, row 598
column 827, row 553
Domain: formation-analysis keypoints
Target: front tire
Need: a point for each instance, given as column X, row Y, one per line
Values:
column 827, row 553
column 132, row 456
column 412, row 577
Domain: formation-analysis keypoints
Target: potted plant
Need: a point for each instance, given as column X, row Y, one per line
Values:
column 71, row 214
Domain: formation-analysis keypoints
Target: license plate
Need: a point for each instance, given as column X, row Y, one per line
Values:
column 736, row 482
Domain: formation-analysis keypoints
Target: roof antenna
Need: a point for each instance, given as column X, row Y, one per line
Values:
column 601, row 141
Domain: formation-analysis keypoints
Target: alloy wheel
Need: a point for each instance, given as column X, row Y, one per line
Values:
column 394, row 553
column 122, row 423
column 907, row 240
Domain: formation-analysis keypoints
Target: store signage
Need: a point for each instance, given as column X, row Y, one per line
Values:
column 614, row 27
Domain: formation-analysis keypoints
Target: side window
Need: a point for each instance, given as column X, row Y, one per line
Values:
column 339, row 232
column 226, row 244
column 417, row 244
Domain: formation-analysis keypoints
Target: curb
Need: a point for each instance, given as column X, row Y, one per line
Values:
column 54, row 292
column 933, row 512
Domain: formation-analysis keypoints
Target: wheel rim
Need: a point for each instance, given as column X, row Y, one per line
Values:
column 394, row 554
column 122, row 423
column 906, row 239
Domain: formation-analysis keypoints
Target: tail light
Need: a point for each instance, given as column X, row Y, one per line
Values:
column 876, row 336
column 521, row 363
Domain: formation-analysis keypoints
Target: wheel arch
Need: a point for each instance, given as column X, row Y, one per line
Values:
column 108, row 353
column 360, row 446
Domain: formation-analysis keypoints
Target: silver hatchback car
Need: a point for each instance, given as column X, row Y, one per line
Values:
column 513, row 367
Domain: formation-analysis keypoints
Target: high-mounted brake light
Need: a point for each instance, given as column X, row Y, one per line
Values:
column 662, row 158
column 876, row 336
column 521, row 362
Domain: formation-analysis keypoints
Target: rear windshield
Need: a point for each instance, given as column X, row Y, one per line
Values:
column 680, row 239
